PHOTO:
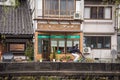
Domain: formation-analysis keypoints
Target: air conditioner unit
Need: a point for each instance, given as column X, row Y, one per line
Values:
column 77, row 15
column 7, row 2
column 86, row 50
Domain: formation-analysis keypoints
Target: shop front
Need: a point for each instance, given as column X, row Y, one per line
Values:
column 58, row 38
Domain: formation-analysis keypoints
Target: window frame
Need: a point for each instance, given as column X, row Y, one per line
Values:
column 57, row 38
column 97, row 12
column 96, row 42
column 67, row 14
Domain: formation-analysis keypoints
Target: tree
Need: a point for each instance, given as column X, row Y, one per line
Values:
column 29, row 52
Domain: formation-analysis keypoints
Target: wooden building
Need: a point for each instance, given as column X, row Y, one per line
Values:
column 15, row 27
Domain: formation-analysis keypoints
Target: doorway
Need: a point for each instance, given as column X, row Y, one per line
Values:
column 45, row 49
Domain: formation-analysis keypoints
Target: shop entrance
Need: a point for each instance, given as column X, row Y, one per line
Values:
column 45, row 49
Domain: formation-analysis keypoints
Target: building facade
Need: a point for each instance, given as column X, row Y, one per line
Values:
column 57, row 26
column 15, row 27
column 99, row 30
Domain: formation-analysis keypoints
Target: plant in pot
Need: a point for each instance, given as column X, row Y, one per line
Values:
column 53, row 55
column 29, row 52
column 68, row 58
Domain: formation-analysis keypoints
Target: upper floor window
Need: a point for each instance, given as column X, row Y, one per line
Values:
column 59, row 7
column 99, row 12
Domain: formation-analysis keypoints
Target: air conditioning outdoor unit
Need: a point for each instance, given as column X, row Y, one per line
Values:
column 77, row 15
column 86, row 50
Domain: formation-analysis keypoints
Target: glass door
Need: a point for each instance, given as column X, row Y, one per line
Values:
column 45, row 49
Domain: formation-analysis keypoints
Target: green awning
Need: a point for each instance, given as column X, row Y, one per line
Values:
column 73, row 36
column 57, row 36
column 43, row 36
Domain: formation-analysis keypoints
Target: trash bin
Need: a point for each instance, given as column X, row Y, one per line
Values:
column 7, row 57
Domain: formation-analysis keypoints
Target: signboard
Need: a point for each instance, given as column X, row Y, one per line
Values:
column 73, row 36
column 59, row 36
column 43, row 36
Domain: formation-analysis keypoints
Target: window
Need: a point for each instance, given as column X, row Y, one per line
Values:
column 98, row 42
column 58, row 43
column 98, row 12
column 71, row 42
column 59, row 7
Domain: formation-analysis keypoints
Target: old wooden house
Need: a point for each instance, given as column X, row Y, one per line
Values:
column 15, row 26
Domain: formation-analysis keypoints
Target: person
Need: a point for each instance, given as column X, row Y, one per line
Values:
column 75, row 52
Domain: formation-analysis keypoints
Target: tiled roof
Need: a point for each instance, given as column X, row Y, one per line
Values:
column 16, row 20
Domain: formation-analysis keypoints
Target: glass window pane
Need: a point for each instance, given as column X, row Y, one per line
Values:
column 93, row 12
column 61, row 46
column 107, row 13
column 87, row 41
column 54, row 7
column 51, row 7
column 87, row 13
column 70, row 7
column 53, row 45
column 63, row 7
column 100, row 42
column 76, row 42
column 100, row 13
column 61, row 43
column 93, row 42
column 107, row 42
column 39, row 45
column 69, row 43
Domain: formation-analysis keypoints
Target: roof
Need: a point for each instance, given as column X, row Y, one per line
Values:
column 16, row 20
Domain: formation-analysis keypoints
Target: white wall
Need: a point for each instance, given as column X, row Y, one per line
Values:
column 39, row 8
column 103, row 53
column 98, row 26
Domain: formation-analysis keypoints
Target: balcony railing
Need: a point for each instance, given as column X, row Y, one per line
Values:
column 55, row 14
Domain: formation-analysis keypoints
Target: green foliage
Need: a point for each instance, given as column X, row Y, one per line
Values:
column 53, row 54
column 68, row 58
column 29, row 52
column 17, row 3
column 117, row 1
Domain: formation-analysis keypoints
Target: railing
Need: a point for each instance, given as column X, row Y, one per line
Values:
column 59, row 69
column 54, row 14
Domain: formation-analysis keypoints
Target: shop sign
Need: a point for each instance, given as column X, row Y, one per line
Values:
column 58, row 36
column 73, row 36
column 43, row 36
column 54, row 36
